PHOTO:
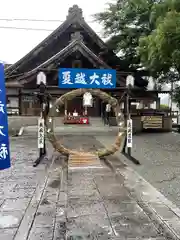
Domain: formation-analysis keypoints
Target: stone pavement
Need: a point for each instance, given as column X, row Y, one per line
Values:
column 19, row 185
column 52, row 202
column 96, row 127
column 69, row 130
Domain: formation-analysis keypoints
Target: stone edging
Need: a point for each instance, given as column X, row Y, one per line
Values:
column 163, row 213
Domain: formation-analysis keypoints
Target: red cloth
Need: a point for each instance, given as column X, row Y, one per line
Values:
column 84, row 120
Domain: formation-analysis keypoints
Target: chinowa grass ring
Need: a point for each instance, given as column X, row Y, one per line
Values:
column 58, row 146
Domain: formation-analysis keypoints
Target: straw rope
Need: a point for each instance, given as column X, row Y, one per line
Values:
column 58, row 146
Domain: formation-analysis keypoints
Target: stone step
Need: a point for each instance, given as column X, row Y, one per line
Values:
column 84, row 160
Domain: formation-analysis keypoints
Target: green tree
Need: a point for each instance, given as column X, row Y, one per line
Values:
column 125, row 22
column 160, row 51
column 176, row 95
column 164, row 106
column 146, row 34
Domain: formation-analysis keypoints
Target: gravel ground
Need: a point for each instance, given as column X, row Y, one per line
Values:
column 159, row 154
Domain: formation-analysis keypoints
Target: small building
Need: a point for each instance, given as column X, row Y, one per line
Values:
column 74, row 44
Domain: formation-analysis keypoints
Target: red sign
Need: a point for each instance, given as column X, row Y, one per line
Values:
column 84, row 120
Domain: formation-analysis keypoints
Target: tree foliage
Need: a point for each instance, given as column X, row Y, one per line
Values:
column 164, row 106
column 126, row 21
column 176, row 95
column 146, row 34
column 160, row 51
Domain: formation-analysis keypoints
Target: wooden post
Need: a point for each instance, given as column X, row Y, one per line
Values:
column 158, row 103
column 20, row 102
column 85, row 111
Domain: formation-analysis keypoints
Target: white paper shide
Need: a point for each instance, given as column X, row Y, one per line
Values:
column 41, row 78
column 87, row 99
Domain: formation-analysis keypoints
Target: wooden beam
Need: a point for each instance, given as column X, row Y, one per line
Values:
column 20, row 102
column 13, row 85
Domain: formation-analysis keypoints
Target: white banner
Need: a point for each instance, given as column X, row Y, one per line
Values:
column 40, row 133
column 129, row 133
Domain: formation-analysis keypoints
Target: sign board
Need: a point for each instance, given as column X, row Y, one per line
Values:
column 152, row 122
column 41, row 133
column 87, row 78
column 129, row 133
column 4, row 137
column 87, row 99
column 41, row 77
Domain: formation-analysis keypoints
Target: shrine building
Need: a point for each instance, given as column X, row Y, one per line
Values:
column 74, row 44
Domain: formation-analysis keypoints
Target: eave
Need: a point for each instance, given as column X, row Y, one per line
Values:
column 13, row 84
column 51, row 63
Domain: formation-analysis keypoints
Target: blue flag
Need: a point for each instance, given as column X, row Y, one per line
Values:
column 4, row 138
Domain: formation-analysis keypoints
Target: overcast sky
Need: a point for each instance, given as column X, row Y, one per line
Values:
column 14, row 43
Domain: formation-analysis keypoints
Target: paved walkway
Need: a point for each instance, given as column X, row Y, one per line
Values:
column 96, row 127
column 52, row 202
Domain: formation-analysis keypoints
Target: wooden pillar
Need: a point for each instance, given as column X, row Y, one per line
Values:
column 125, row 108
column 85, row 112
column 141, row 104
column 158, row 103
column 20, row 102
column 30, row 109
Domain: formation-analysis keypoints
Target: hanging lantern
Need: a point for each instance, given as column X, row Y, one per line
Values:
column 87, row 99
